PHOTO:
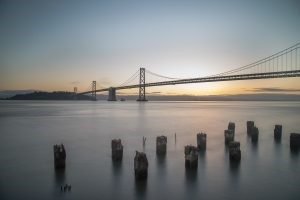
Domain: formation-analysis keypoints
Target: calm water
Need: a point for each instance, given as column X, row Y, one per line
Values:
column 28, row 130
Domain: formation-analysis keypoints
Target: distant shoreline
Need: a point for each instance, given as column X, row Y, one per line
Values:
column 70, row 96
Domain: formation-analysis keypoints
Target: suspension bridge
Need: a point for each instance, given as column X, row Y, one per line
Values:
column 283, row 64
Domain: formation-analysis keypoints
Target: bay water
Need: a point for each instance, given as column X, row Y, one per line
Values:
column 29, row 129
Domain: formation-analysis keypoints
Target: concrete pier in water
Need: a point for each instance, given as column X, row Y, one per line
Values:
column 295, row 142
column 250, row 125
column 161, row 145
column 229, row 136
column 277, row 132
column 252, row 131
column 231, row 126
column 234, row 151
column 254, row 134
column 140, row 165
column 201, row 141
column 59, row 156
column 116, row 149
column 191, row 156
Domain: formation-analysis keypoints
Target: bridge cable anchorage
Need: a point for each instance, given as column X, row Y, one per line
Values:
column 263, row 61
column 131, row 78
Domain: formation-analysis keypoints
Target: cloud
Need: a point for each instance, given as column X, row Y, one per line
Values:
column 273, row 89
column 75, row 83
column 104, row 82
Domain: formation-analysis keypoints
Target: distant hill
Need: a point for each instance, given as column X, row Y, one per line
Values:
column 49, row 96
column 9, row 93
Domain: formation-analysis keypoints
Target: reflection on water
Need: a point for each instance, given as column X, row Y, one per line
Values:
column 191, row 176
column 202, row 155
column 191, row 182
column 161, row 160
column 277, row 146
column 253, row 144
column 60, row 176
column 140, row 188
column 295, row 154
column 60, row 180
column 117, row 168
column 161, row 168
column 277, row 141
column 234, row 167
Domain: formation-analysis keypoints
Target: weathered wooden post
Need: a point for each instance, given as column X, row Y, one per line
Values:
column 201, row 141
column 277, row 132
column 229, row 136
column 295, row 142
column 59, row 156
column 140, row 165
column 161, row 145
column 231, row 126
column 191, row 156
column 250, row 125
column 254, row 134
column 116, row 149
column 234, row 151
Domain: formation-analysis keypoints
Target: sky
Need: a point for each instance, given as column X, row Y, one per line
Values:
column 57, row 45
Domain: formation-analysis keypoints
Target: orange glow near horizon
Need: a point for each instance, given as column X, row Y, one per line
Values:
column 215, row 88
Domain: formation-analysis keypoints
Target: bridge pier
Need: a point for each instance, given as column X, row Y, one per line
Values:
column 112, row 94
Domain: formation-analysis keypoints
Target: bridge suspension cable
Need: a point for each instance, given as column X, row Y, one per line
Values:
column 283, row 64
column 131, row 78
column 99, row 86
column 264, row 60
column 161, row 76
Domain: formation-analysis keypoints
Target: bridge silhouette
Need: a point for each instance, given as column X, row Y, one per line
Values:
column 283, row 64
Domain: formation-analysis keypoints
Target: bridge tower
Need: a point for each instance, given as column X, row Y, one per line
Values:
column 75, row 90
column 94, row 97
column 142, row 90
column 75, row 93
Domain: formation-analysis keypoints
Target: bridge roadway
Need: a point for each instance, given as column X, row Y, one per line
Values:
column 266, row 75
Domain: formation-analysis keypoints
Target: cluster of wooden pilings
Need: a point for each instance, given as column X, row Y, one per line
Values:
column 229, row 133
column 140, row 159
column 252, row 131
column 234, row 146
column 190, row 151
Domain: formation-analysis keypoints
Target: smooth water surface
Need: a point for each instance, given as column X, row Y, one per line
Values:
column 29, row 129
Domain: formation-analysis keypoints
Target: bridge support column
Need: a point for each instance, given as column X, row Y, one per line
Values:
column 142, row 90
column 94, row 95
column 112, row 94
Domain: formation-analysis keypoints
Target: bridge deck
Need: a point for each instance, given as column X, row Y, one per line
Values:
column 266, row 75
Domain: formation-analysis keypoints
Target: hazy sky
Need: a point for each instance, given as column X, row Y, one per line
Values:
column 54, row 45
